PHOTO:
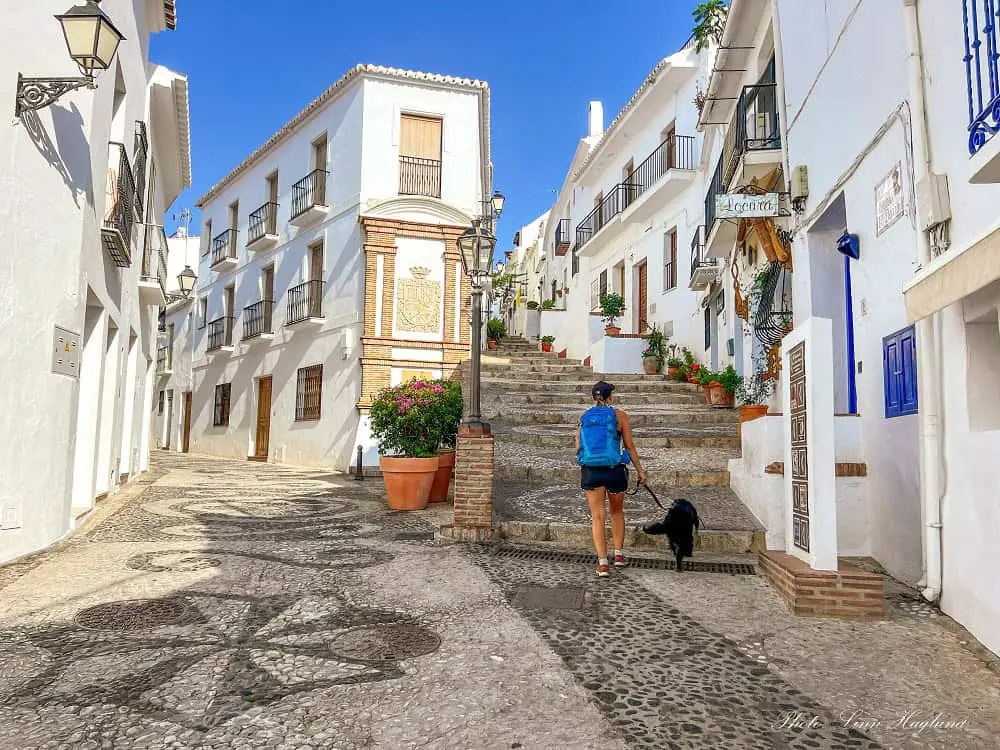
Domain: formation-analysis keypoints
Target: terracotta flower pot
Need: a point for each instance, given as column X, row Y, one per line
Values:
column 408, row 481
column 707, row 390
column 651, row 365
column 672, row 371
column 719, row 396
column 612, row 330
column 491, row 344
column 546, row 347
column 442, row 477
column 748, row 413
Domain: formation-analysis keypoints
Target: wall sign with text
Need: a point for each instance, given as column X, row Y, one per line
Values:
column 739, row 206
column 888, row 200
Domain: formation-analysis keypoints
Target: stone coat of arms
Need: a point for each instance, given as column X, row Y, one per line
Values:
column 419, row 303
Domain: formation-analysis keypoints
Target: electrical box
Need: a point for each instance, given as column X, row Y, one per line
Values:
column 668, row 329
column 933, row 201
column 800, row 183
column 66, row 352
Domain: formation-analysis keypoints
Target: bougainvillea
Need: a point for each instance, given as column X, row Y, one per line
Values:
column 417, row 418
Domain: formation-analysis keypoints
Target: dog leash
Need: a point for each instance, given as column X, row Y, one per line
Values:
column 652, row 494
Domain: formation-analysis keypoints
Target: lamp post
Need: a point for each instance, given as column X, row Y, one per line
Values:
column 476, row 246
column 92, row 41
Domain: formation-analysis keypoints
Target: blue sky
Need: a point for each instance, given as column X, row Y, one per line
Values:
column 254, row 64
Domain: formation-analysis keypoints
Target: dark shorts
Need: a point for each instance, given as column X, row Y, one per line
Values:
column 612, row 478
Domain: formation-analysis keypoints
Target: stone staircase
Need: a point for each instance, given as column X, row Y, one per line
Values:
column 533, row 401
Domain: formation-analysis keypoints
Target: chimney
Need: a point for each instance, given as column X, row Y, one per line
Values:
column 596, row 119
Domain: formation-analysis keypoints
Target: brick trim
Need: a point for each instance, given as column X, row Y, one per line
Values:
column 848, row 592
column 844, row 469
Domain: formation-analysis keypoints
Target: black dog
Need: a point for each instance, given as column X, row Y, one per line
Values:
column 679, row 526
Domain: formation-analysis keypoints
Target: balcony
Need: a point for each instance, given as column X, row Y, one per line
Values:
column 753, row 140
column 220, row 335
column 309, row 199
column 982, row 71
column 153, row 275
column 610, row 206
column 263, row 230
column 119, row 212
column 164, row 360
column 704, row 270
column 661, row 177
column 257, row 321
column 305, row 304
column 419, row 176
column 141, row 152
column 224, row 251
column 720, row 233
column 562, row 237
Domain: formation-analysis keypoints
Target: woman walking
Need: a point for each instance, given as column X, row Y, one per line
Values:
column 599, row 438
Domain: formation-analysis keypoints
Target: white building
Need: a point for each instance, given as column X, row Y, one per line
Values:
column 329, row 268
column 625, row 218
column 524, row 270
column 83, row 187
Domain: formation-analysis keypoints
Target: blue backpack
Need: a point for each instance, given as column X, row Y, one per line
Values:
column 600, row 441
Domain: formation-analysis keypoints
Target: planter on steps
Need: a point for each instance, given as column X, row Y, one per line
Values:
column 408, row 481
column 748, row 413
column 546, row 347
column 651, row 365
column 442, row 477
column 719, row 396
column 612, row 330
column 491, row 344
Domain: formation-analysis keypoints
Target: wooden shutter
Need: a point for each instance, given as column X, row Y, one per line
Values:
column 899, row 365
column 420, row 137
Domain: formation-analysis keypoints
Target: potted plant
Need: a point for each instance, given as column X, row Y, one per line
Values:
column 673, row 362
column 496, row 329
column 447, row 417
column 547, row 343
column 655, row 353
column 548, row 304
column 723, row 387
column 705, row 378
column 532, row 305
column 612, row 307
column 753, row 394
column 406, row 422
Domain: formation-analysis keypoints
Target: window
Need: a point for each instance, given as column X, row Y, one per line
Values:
column 670, row 260
column 234, row 215
column 602, row 288
column 720, row 302
column 202, row 312
column 222, row 394
column 308, row 393
column 576, row 262
column 208, row 238
column 159, row 403
column 420, row 137
column 708, row 327
column 899, row 364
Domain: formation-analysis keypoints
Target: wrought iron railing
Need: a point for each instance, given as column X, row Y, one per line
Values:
column 754, row 126
column 257, row 319
column 716, row 188
column 164, row 358
column 154, row 256
column 263, row 221
column 224, row 247
column 305, row 301
column 610, row 206
column 982, row 73
column 419, row 176
column 309, row 192
column 698, row 256
column 119, row 216
column 676, row 152
column 220, row 333
column 141, row 156
column 562, row 236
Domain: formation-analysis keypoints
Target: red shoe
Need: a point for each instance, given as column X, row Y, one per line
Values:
column 620, row 561
column 603, row 571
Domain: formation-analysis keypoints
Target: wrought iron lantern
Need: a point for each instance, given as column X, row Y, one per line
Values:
column 92, row 41
column 186, row 280
column 497, row 202
column 476, row 246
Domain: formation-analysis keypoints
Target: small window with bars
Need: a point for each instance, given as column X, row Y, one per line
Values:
column 223, row 392
column 308, row 393
column 670, row 260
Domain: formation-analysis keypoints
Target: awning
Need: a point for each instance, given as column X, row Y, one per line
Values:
column 952, row 277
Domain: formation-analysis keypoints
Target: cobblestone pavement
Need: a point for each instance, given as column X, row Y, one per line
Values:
column 235, row 605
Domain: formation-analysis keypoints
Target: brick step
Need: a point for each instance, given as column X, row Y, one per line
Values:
column 585, row 400
column 553, row 383
column 564, row 439
column 663, row 417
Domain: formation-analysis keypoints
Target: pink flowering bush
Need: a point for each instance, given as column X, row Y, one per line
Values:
column 415, row 419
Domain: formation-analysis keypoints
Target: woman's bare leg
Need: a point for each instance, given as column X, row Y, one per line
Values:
column 616, row 502
column 595, row 498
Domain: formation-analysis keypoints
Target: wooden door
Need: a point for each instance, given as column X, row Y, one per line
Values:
column 642, row 303
column 316, row 263
column 263, row 418
column 186, row 444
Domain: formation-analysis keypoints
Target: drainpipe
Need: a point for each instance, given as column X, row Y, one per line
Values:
column 928, row 377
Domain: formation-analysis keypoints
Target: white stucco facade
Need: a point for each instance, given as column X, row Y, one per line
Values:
column 330, row 296
column 83, row 267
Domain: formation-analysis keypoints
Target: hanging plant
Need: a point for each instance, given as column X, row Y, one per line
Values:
column 709, row 22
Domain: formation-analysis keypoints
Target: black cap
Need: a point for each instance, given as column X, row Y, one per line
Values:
column 602, row 390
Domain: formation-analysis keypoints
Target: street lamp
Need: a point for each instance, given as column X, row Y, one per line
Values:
column 92, row 41
column 476, row 246
column 185, row 280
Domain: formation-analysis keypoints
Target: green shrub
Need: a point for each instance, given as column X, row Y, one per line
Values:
column 548, row 304
column 496, row 329
column 417, row 418
column 612, row 307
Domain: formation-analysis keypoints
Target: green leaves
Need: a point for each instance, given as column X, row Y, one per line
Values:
column 417, row 418
column 709, row 22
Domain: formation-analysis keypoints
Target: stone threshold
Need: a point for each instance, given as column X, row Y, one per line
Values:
column 578, row 536
column 847, row 593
